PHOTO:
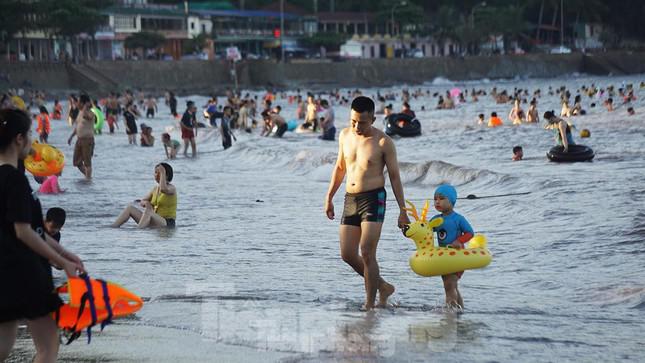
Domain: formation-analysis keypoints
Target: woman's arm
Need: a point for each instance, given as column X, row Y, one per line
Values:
column 148, row 196
column 164, row 187
column 43, row 248
column 63, row 251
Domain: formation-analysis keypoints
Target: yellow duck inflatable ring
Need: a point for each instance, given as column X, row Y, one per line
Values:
column 429, row 260
column 45, row 160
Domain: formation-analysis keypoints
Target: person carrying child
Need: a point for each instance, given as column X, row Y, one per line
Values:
column 453, row 232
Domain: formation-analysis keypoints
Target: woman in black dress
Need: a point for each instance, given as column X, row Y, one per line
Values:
column 25, row 249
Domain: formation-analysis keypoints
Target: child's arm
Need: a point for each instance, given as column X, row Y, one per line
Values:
column 466, row 234
column 165, row 148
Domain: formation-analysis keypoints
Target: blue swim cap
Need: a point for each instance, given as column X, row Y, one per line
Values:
column 447, row 191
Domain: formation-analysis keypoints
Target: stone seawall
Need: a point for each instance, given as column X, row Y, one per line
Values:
column 208, row 76
column 379, row 72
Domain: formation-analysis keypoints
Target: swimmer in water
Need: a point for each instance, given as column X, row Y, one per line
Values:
column 518, row 153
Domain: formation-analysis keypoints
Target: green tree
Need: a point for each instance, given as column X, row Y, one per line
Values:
column 469, row 36
column 69, row 18
column 331, row 41
column 508, row 21
column 196, row 44
column 14, row 19
column 408, row 16
column 445, row 24
column 145, row 40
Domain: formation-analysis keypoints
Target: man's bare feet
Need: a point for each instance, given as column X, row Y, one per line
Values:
column 385, row 290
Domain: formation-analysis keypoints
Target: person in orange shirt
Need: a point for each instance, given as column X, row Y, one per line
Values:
column 494, row 121
column 44, row 127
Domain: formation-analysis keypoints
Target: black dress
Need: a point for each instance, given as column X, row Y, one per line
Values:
column 131, row 122
column 25, row 277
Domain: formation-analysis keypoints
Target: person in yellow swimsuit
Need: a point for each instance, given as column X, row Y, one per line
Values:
column 158, row 208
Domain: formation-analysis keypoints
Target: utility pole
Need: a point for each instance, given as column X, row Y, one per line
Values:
column 281, row 31
column 561, row 24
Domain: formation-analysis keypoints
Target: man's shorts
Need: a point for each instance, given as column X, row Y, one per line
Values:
column 364, row 207
column 187, row 134
column 83, row 151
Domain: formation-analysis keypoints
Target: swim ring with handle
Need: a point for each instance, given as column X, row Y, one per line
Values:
column 429, row 260
column 45, row 160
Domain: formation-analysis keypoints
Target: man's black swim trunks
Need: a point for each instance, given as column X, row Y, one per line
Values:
column 364, row 207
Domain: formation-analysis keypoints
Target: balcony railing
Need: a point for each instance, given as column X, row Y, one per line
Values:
column 254, row 32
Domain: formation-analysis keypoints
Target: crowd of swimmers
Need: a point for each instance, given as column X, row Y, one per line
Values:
column 314, row 113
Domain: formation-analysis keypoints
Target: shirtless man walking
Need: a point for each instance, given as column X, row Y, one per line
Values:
column 363, row 152
column 84, row 132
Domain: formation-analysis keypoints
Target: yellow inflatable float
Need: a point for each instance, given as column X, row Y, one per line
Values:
column 45, row 160
column 429, row 260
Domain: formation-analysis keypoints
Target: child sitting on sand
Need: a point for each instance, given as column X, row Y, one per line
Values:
column 453, row 232
column 170, row 146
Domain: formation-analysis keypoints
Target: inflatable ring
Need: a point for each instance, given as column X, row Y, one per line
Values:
column 100, row 120
column 403, row 125
column 429, row 260
column 46, row 160
column 574, row 154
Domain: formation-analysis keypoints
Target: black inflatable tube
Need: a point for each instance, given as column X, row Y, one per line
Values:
column 574, row 154
column 412, row 125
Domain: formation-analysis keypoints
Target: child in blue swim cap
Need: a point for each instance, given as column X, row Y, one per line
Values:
column 454, row 232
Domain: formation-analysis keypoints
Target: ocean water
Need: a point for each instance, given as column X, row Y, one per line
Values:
column 254, row 262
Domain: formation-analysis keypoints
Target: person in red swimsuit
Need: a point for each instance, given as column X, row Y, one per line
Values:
column 189, row 128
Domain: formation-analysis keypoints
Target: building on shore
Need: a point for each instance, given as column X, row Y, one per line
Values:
column 205, row 30
column 385, row 46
